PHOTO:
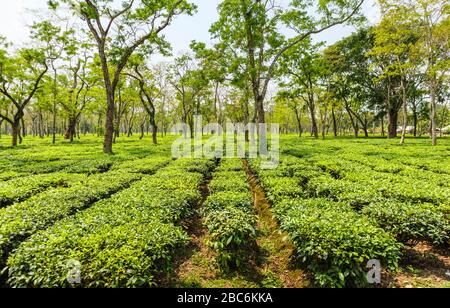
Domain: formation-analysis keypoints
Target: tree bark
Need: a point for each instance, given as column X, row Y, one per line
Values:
column 15, row 132
column 55, row 93
column 335, row 128
column 433, row 112
column 405, row 111
column 352, row 120
column 392, row 123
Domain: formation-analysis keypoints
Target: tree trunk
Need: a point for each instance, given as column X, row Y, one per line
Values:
column 298, row 116
column 142, row 126
column 246, row 119
column 154, row 133
column 324, row 125
column 109, row 126
column 24, row 128
column 414, row 109
column 353, row 121
column 433, row 112
column 15, row 132
column 312, row 111
column 335, row 128
column 260, row 110
column 55, row 93
column 405, row 112
column 392, row 123
column 71, row 129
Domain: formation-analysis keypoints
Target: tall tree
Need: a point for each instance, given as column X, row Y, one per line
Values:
column 351, row 79
column 434, row 20
column 56, row 42
column 20, row 78
column 249, row 30
column 395, row 38
column 118, row 31
column 305, row 66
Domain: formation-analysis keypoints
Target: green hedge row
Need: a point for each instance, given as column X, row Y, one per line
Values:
column 398, row 202
column 21, row 220
column 22, row 188
column 335, row 242
column 123, row 241
column 332, row 239
column 229, row 214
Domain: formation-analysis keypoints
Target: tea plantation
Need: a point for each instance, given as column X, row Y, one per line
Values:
column 139, row 218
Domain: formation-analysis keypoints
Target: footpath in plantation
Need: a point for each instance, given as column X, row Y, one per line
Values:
column 264, row 257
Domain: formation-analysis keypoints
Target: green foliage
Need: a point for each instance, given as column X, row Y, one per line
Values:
column 282, row 187
column 21, row 220
column 228, row 214
column 336, row 245
column 230, row 230
column 410, row 222
column 22, row 188
column 123, row 241
column 223, row 199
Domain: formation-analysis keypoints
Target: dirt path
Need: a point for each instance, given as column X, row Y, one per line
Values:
column 269, row 261
column 275, row 248
column 192, row 264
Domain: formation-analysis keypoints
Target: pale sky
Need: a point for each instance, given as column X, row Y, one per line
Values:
column 17, row 15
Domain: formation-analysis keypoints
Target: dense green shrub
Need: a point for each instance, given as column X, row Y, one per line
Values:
column 232, row 164
column 358, row 195
column 146, row 165
column 20, row 189
column 124, row 240
column 235, row 181
column 225, row 199
column 410, row 222
column 229, row 214
column 122, row 256
column 23, row 219
column 8, row 175
column 336, row 245
column 278, row 188
column 230, row 229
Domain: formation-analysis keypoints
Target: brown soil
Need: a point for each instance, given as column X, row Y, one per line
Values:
column 278, row 250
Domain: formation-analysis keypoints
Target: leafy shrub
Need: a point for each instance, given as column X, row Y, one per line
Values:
column 281, row 208
column 410, row 222
column 229, row 181
column 281, row 188
column 229, row 230
column 129, row 256
column 22, row 188
column 23, row 219
column 145, row 165
column 228, row 214
column 230, row 165
column 336, row 245
column 226, row 199
column 8, row 175
column 124, row 240
column 358, row 195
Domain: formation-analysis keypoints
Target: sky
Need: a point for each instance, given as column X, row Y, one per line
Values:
column 17, row 15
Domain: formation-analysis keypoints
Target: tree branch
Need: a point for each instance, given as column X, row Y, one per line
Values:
column 300, row 38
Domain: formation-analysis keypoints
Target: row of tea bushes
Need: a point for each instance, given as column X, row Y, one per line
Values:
column 123, row 241
column 22, row 188
column 411, row 209
column 332, row 239
column 19, row 221
column 229, row 214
